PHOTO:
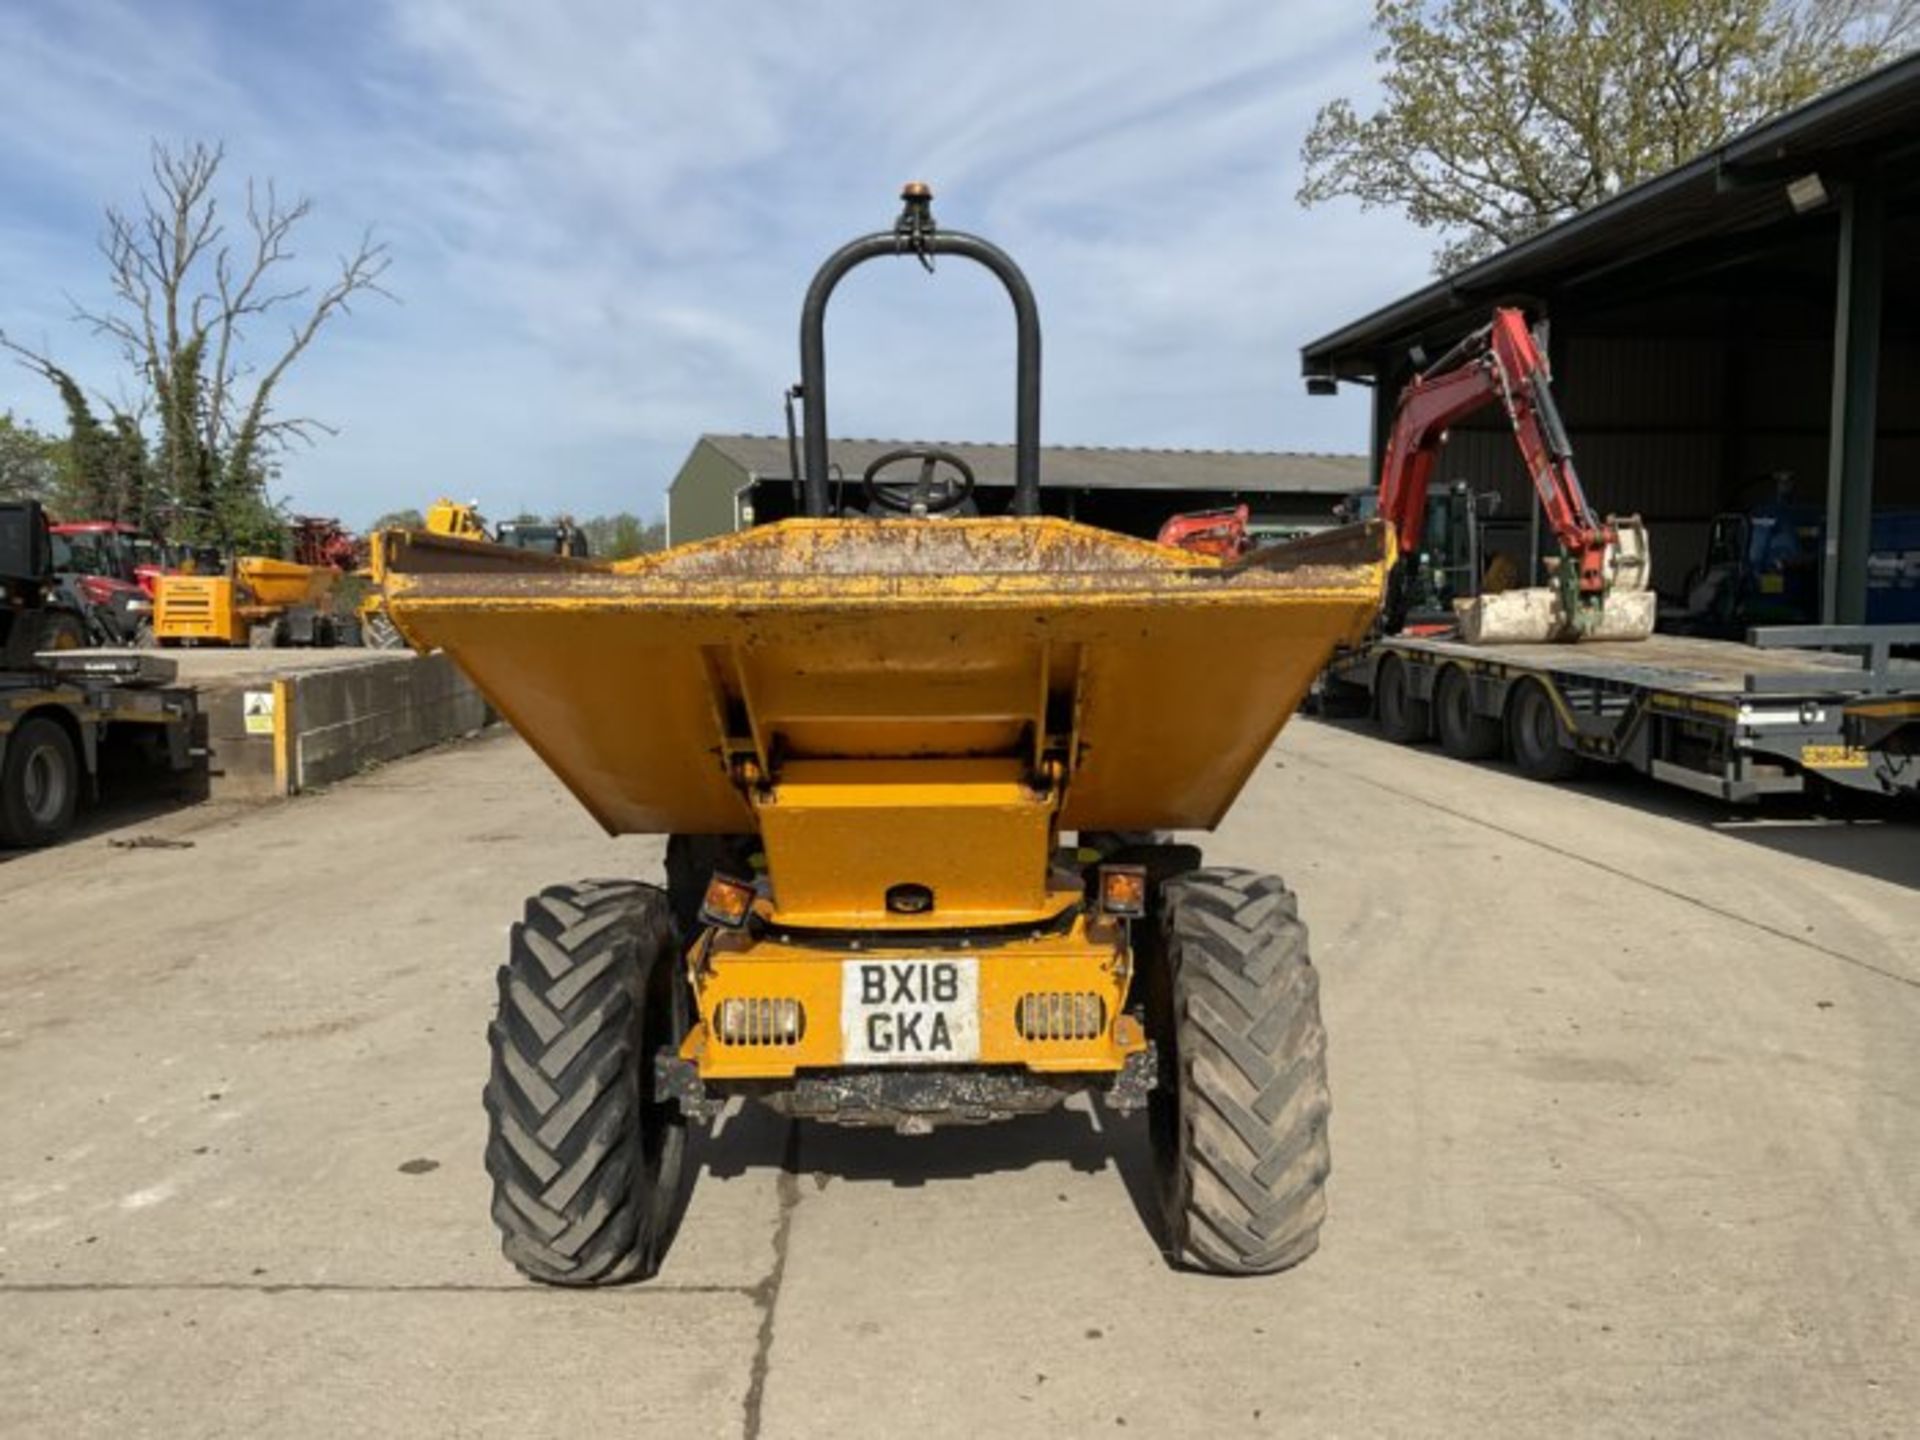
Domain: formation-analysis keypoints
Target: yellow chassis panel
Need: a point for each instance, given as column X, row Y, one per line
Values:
column 839, row 834
column 1090, row 958
column 198, row 607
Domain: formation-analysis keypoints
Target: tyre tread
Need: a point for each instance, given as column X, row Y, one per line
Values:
column 564, row 1146
column 1254, row 1101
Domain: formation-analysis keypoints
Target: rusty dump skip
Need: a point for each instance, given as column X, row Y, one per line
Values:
column 1151, row 680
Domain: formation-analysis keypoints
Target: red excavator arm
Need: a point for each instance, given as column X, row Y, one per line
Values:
column 1598, row 585
column 1500, row 362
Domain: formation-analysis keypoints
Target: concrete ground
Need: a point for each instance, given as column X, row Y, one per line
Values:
column 1626, row 1141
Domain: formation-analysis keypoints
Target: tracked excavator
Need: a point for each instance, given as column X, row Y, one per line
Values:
column 1598, row 584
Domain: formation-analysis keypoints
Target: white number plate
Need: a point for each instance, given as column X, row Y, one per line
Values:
column 909, row 1012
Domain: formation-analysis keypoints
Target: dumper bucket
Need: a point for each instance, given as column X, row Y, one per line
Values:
column 284, row 582
column 1147, row 679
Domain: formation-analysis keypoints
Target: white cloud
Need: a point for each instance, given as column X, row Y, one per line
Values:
column 604, row 215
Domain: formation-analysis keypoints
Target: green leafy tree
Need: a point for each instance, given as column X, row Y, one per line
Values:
column 102, row 470
column 622, row 536
column 189, row 301
column 628, row 538
column 399, row 520
column 1499, row 117
column 29, row 461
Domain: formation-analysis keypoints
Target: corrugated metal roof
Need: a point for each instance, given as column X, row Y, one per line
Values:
column 1086, row 467
column 1722, row 192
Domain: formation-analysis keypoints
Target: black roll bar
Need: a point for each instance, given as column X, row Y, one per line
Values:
column 916, row 234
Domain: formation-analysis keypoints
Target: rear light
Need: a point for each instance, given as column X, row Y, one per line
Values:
column 1123, row 890
column 727, row 903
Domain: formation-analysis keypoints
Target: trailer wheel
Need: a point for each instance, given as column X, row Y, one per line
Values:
column 1403, row 719
column 1464, row 733
column 1535, row 735
column 1240, row 1123
column 587, row 1158
column 39, row 783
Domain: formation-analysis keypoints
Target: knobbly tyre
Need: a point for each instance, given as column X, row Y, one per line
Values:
column 867, row 734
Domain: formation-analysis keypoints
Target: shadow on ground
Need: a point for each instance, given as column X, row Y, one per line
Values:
column 1082, row 1135
column 129, row 796
column 1877, row 836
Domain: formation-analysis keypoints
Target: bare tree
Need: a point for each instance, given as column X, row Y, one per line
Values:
column 188, row 299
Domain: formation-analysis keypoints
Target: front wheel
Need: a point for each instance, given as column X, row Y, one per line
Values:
column 63, row 630
column 39, row 783
column 587, row 1158
column 36, row 631
column 1240, row 1124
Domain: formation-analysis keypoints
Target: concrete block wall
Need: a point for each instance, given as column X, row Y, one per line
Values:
column 278, row 732
column 340, row 722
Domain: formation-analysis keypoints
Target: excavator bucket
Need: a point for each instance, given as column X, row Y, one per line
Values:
column 1538, row 615
column 1626, row 610
column 1156, row 676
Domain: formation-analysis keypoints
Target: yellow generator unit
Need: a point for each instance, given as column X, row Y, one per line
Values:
column 919, row 767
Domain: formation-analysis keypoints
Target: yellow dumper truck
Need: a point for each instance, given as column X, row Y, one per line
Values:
column 869, row 737
column 261, row 600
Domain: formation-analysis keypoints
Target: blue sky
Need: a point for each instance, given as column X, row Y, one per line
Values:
column 603, row 216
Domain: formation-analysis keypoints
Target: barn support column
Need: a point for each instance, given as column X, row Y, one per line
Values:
column 1856, row 386
column 1385, row 397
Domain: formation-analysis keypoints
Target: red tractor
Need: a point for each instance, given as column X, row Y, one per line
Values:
column 109, row 569
column 114, row 550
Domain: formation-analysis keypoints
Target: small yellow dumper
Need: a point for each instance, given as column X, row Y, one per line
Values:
column 867, row 735
column 260, row 601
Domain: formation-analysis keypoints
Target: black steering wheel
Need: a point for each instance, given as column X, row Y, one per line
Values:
column 931, row 494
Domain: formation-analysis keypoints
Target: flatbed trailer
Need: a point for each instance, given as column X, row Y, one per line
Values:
column 63, row 717
column 1731, row 720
